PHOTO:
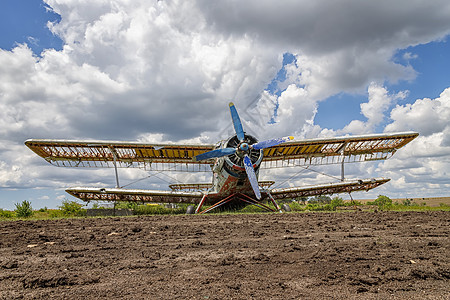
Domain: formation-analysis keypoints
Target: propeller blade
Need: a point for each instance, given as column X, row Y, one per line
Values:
column 271, row 143
column 252, row 176
column 236, row 122
column 214, row 153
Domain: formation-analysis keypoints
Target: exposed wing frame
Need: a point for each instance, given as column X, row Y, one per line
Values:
column 107, row 154
column 335, row 150
column 347, row 186
column 134, row 195
column 101, row 154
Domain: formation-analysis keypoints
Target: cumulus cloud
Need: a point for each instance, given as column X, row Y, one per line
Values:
column 164, row 71
column 428, row 116
column 423, row 164
column 374, row 110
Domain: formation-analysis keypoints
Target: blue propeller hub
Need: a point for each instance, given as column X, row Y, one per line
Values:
column 244, row 147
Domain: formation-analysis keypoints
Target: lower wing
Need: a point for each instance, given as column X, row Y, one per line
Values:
column 137, row 195
column 194, row 197
column 331, row 188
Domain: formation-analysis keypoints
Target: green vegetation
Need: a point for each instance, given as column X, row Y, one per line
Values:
column 324, row 203
column 159, row 210
column 73, row 209
column 416, row 207
column 383, row 202
column 6, row 214
column 24, row 209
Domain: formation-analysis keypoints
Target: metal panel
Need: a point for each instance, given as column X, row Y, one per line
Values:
column 330, row 151
column 208, row 186
column 101, row 194
column 331, row 188
column 65, row 153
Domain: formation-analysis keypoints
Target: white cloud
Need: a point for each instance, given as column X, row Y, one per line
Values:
column 374, row 110
column 422, row 167
column 165, row 71
column 296, row 111
column 427, row 116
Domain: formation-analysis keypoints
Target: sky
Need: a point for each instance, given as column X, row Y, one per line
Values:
column 164, row 71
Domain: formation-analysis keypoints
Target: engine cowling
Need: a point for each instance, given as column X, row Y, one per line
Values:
column 234, row 163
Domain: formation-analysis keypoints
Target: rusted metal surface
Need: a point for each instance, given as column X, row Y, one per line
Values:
column 101, row 154
column 334, row 150
column 102, row 194
column 326, row 189
column 227, row 182
column 66, row 153
column 208, row 186
column 190, row 187
column 199, row 206
column 236, row 197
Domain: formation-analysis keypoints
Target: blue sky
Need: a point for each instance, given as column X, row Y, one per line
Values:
column 432, row 64
column 25, row 21
column 141, row 71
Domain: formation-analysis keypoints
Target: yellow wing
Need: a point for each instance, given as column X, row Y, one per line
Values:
column 70, row 153
column 334, row 150
column 328, row 189
column 139, row 195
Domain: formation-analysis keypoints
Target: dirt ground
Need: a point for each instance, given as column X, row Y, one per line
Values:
column 352, row 255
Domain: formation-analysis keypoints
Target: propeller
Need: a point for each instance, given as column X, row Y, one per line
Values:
column 236, row 122
column 271, row 143
column 244, row 148
column 251, row 176
column 214, row 153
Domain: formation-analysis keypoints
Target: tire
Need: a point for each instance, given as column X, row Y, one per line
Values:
column 190, row 210
column 286, row 208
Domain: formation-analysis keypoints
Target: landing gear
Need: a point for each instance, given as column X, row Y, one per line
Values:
column 286, row 208
column 190, row 210
column 239, row 197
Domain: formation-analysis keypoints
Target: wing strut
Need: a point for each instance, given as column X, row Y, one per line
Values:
column 342, row 151
column 114, row 153
column 273, row 201
column 201, row 203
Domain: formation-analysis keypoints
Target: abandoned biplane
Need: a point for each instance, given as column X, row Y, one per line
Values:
column 235, row 164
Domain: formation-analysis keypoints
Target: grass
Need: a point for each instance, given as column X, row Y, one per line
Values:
column 45, row 214
column 429, row 201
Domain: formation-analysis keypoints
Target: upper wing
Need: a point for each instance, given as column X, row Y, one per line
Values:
column 331, row 188
column 334, row 150
column 69, row 153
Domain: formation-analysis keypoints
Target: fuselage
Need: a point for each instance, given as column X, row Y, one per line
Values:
column 229, row 176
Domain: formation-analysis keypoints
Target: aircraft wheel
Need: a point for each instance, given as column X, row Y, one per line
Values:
column 190, row 210
column 286, row 208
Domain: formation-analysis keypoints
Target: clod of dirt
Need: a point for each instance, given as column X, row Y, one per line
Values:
column 52, row 280
column 136, row 229
column 11, row 264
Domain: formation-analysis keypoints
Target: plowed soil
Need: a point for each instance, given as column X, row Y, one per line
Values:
column 353, row 255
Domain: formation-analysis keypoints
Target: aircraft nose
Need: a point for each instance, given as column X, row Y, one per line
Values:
column 243, row 147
